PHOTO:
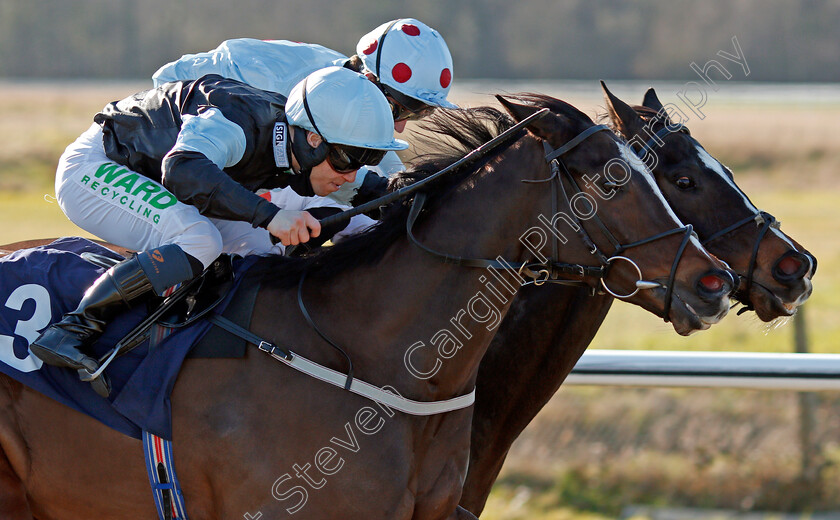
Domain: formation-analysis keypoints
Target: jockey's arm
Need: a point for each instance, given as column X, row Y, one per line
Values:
column 192, row 170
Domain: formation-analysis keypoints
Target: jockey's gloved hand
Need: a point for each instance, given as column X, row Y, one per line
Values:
column 294, row 227
column 373, row 186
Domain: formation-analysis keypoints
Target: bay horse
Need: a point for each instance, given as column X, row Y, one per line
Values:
column 555, row 324
column 243, row 428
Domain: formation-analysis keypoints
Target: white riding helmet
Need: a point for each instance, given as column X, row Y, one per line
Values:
column 411, row 58
column 343, row 107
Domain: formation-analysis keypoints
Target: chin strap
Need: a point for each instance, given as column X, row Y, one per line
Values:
column 307, row 156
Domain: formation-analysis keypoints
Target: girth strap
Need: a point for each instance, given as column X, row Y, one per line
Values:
column 169, row 499
column 357, row 386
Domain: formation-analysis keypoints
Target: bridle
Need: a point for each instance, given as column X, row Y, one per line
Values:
column 554, row 270
column 538, row 273
column 764, row 220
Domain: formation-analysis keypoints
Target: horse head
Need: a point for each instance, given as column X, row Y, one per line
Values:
column 653, row 259
column 774, row 271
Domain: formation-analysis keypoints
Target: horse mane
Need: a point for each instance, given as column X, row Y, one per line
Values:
column 449, row 135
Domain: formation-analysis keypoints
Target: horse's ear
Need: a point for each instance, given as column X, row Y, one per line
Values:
column 652, row 100
column 542, row 127
column 623, row 116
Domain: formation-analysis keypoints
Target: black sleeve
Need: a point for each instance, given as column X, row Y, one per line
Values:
column 195, row 180
column 373, row 187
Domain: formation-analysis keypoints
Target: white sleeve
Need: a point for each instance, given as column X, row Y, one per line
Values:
column 289, row 199
column 211, row 134
column 357, row 224
column 187, row 67
column 389, row 165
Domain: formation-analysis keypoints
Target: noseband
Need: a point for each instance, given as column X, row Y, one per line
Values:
column 553, row 157
column 554, row 270
column 765, row 221
column 762, row 219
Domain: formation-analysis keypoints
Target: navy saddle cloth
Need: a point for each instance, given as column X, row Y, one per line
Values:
column 39, row 285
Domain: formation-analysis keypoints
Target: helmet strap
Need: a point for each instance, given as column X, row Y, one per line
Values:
column 307, row 156
column 382, row 42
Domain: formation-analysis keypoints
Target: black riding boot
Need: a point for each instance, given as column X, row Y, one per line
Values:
column 63, row 343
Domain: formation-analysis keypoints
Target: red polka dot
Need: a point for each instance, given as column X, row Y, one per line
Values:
column 410, row 29
column 371, row 48
column 401, row 72
column 445, row 78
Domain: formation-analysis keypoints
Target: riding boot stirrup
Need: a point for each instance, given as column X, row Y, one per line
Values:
column 64, row 343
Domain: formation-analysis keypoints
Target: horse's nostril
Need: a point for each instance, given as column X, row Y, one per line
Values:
column 712, row 283
column 792, row 267
column 789, row 265
column 813, row 263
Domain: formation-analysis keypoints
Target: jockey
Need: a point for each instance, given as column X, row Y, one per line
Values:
column 162, row 171
column 408, row 60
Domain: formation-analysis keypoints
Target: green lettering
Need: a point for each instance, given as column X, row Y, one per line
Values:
column 109, row 170
column 163, row 200
column 127, row 181
column 149, row 187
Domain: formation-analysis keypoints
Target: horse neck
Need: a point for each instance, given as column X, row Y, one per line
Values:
column 443, row 315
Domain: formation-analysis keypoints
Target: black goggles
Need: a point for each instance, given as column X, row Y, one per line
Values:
column 406, row 108
column 346, row 159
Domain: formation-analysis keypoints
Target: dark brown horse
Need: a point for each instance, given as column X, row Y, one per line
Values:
column 253, row 436
column 555, row 324
column 5, row 249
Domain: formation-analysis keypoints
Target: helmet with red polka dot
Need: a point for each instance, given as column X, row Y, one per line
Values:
column 410, row 57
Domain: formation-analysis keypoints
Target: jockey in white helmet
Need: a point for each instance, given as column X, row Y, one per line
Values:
column 160, row 171
column 409, row 60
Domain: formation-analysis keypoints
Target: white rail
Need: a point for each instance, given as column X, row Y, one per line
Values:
column 761, row 371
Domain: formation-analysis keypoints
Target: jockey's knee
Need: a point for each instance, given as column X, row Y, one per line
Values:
column 202, row 241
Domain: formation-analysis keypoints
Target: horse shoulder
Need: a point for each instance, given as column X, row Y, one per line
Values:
column 14, row 460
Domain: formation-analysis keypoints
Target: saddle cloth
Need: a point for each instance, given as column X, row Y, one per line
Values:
column 39, row 285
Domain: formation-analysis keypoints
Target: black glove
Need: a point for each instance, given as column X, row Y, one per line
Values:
column 373, row 187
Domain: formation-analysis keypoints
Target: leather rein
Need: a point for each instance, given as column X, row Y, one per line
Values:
column 555, row 271
column 764, row 220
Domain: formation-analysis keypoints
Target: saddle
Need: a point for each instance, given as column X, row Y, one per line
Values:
column 41, row 284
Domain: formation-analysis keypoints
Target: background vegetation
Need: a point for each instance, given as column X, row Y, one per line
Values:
column 784, row 40
column 593, row 451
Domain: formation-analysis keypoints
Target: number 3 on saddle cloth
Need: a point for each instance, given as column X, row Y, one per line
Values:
column 38, row 285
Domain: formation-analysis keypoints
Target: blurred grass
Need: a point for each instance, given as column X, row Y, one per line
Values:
column 786, row 158
column 601, row 449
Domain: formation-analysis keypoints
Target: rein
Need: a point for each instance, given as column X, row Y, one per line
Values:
column 554, row 269
column 761, row 218
column 554, row 157
column 539, row 273
column 765, row 221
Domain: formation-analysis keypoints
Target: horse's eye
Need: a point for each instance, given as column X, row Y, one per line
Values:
column 685, row 183
column 611, row 186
